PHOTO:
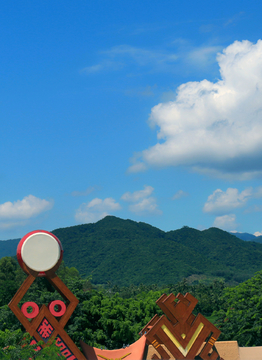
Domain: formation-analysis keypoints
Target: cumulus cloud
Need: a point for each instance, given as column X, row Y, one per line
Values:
column 30, row 206
column 226, row 222
column 222, row 202
column 96, row 209
column 142, row 202
column 17, row 213
column 137, row 195
column 179, row 194
column 213, row 127
column 145, row 207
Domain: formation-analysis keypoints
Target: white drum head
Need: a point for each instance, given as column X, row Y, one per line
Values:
column 40, row 251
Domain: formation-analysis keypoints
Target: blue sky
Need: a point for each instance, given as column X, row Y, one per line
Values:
column 144, row 110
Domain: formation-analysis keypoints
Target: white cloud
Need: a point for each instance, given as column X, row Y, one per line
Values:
column 120, row 56
column 226, row 222
column 17, row 213
column 214, row 128
column 137, row 195
column 93, row 69
column 104, row 65
column 221, row 202
column 137, row 167
column 203, row 55
column 177, row 53
column 30, row 206
column 179, row 194
column 239, row 176
column 96, row 209
column 257, row 233
column 145, row 207
column 144, row 204
column 11, row 225
column 141, row 56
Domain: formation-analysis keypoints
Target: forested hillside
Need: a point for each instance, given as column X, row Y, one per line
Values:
column 8, row 247
column 125, row 252
column 111, row 316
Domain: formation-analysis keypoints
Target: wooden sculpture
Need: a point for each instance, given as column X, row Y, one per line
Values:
column 180, row 334
column 39, row 253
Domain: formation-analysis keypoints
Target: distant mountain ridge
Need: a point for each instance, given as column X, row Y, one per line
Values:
column 8, row 247
column 248, row 237
column 126, row 252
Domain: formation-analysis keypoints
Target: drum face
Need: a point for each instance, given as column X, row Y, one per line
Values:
column 40, row 251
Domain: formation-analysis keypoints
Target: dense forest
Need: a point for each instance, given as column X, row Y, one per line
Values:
column 109, row 316
column 125, row 252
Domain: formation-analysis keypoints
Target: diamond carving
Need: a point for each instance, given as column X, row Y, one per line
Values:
column 184, row 335
column 45, row 326
column 45, row 330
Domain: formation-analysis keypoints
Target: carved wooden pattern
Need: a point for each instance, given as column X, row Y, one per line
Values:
column 182, row 333
column 45, row 326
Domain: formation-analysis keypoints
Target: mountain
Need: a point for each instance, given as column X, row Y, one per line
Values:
column 8, row 247
column 248, row 237
column 244, row 236
column 126, row 252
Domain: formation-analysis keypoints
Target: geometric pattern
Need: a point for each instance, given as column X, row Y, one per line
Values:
column 45, row 330
column 45, row 326
column 184, row 335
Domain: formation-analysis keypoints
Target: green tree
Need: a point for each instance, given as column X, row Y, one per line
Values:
column 14, row 345
column 8, row 283
column 240, row 317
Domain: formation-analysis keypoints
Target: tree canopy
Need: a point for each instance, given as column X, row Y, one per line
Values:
column 111, row 315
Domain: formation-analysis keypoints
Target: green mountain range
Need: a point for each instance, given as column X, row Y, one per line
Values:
column 125, row 252
column 248, row 237
column 8, row 247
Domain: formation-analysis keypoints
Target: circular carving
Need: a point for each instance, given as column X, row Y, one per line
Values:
column 40, row 251
column 34, row 312
column 61, row 308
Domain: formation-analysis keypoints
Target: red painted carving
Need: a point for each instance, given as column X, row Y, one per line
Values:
column 61, row 308
column 35, row 309
column 33, row 342
column 45, row 329
column 64, row 349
